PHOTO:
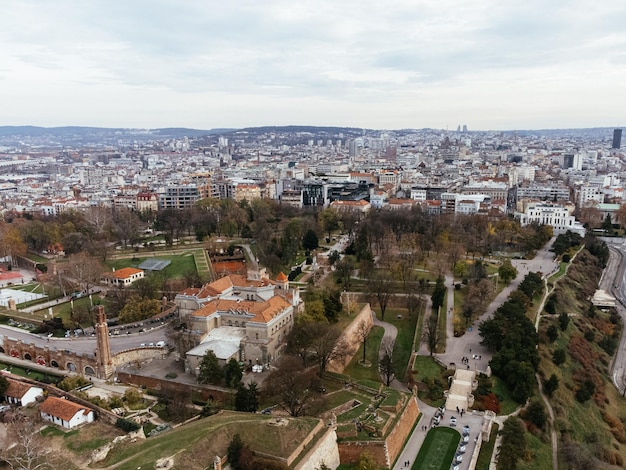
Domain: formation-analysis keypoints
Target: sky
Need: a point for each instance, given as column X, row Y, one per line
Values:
column 488, row 64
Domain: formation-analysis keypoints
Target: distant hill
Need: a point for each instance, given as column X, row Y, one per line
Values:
column 36, row 131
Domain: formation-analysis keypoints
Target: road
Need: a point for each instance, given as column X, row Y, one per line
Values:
column 86, row 344
column 613, row 281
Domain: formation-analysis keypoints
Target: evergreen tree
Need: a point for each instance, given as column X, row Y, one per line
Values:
column 210, row 370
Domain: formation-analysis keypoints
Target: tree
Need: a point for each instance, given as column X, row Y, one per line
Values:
column 507, row 271
column 381, row 287
column 344, row 268
column 553, row 333
column 531, row 285
column 84, row 270
column 550, row 385
column 563, row 321
column 11, row 243
column 232, row 373
column 25, row 448
column 585, row 391
column 299, row 340
column 310, row 241
column 210, row 370
column 362, row 332
column 289, row 382
column 126, row 226
column 330, row 220
column 367, row 462
column 513, row 448
column 326, row 345
column 386, row 365
column 233, row 452
column 536, row 413
column 439, row 293
column 431, row 333
column 137, row 309
column 559, row 356
column 247, row 398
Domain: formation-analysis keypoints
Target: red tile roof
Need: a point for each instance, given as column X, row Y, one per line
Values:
column 60, row 408
column 16, row 389
column 124, row 273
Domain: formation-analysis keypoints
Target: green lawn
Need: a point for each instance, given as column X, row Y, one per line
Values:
column 437, row 451
column 31, row 374
column 426, row 367
column 211, row 436
column 358, row 371
column 507, row 404
column 180, row 264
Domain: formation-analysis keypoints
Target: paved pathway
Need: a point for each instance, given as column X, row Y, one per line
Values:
column 469, row 345
column 416, row 439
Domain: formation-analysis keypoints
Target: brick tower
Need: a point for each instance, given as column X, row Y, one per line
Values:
column 103, row 350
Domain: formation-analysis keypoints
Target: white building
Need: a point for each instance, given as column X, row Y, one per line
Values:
column 555, row 215
column 21, row 394
column 65, row 413
column 590, row 195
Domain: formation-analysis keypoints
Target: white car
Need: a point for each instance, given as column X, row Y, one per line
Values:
column 466, row 439
column 458, row 458
column 461, row 449
column 453, row 421
column 466, row 430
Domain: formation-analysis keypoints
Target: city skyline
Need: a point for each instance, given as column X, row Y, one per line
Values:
column 203, row 65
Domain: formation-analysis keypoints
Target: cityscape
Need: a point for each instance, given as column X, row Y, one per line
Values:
column 312, row 235
column 352, row 288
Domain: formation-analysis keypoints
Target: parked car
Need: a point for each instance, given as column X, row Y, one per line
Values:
column 453, row 421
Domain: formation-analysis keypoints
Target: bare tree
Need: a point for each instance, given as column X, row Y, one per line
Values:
column 386, row 364
column 431, row 333
column 326, row 345
column 289, row 382
column 363, row 330
column 84, row 271
column 25, row 449
column 381, row 287
column 126, row 226
column 99, row 219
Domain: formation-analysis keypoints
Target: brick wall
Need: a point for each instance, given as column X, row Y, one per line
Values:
column 387, row 451
column 398, row 435
column 205, row 392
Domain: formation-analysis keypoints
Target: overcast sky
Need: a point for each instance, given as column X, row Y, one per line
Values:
column 490, row 64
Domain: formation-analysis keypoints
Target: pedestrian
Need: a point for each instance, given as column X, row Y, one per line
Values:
column 470, row 350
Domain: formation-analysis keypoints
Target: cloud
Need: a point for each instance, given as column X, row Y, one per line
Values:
column 249, row 58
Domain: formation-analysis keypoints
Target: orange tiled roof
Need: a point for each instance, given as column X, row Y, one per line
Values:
column 16, row 389
column 281, row 277
column 60, row 408
column 263, row 311
column 124, row 273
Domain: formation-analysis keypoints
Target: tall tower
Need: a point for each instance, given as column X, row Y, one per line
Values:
column 617, row 138
column 103, row 350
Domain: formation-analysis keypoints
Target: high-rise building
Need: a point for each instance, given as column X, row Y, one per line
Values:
column 617, row 138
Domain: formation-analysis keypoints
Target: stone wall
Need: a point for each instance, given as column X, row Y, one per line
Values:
column 398, row 435
column 325, row 451
column 351, row 338
column 139, row 355
column 205, row 392
column 387, row 451
column 350, row 452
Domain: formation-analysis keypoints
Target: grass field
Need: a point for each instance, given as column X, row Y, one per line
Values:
column 438, row 449
column 211, row 436
column 180, row 264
